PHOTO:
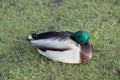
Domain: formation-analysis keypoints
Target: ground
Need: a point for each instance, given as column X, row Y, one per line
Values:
column 19, row 60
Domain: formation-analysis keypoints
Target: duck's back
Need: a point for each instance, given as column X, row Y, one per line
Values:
column 53, row 40
column 61, row 34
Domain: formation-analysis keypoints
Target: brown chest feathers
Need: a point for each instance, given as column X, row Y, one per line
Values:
column 86, row 52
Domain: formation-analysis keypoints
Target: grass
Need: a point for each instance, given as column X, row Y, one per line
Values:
column 20, row 61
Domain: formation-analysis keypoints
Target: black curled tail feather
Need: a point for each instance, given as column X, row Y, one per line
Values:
column 34, row 36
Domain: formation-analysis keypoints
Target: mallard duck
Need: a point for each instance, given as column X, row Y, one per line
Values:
column 63, row 46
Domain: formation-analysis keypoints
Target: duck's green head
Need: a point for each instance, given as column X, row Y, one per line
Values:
column 81, row 37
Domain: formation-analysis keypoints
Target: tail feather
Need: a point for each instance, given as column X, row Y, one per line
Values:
column 34, row 36
column 29, row 38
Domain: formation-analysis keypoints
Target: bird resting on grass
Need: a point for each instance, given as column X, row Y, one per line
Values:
column 63, row 46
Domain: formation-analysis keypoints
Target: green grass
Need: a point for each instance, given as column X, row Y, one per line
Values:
column 19, row 60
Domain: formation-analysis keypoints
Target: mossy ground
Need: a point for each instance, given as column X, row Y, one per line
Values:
column 19, row 60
